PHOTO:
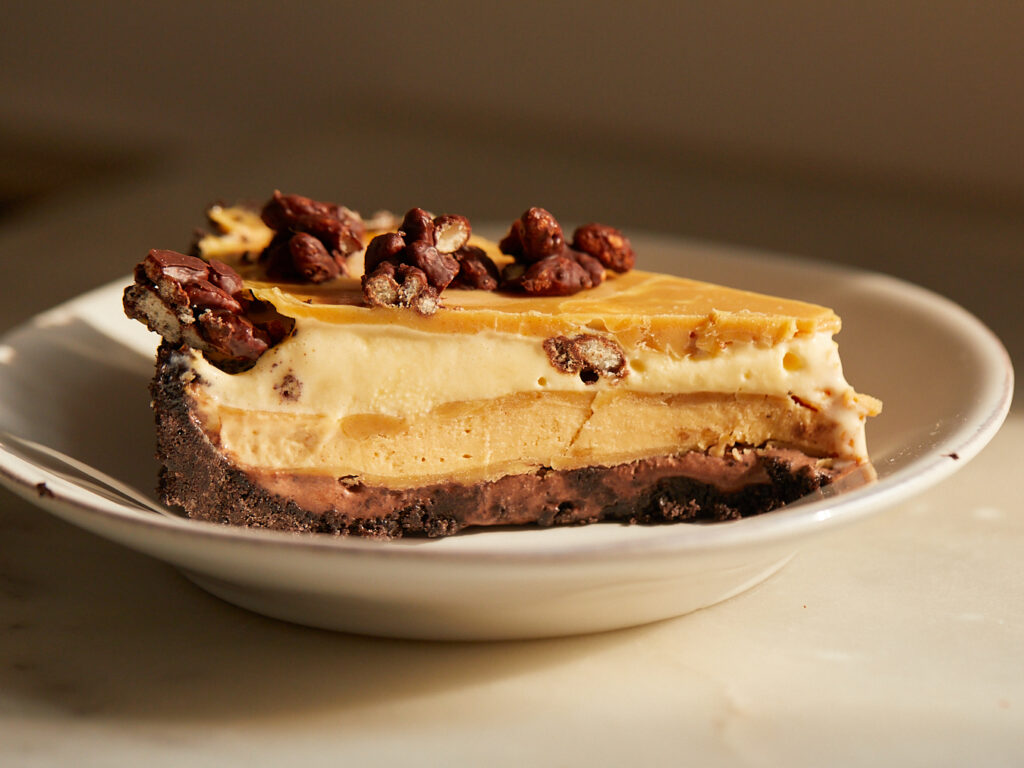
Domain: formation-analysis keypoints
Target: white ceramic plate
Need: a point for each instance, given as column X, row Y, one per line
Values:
column 74, row 383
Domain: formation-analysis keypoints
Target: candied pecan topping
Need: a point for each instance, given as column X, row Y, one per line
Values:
column 546, row 266
column 312, row 240
column 476, row 269
column 555, row 276
column 204, row 294
column 224, row 277
column 512, row 274
column 172, row 265
column 606, row 244
column 231, row 336
column 311, row 260
column 534, row 235
column 204, row 306
column 593, row 267
column 386, row 247
column 451, row 232
column 400, row 286
column 587, row 354
column 415, row 290
column 411, row 267
column 440, row 268
column 380, row 288
column 417, row 226
column 561, row 275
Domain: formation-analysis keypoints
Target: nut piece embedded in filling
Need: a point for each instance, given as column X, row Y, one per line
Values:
column 591, row 356
column 188, row 301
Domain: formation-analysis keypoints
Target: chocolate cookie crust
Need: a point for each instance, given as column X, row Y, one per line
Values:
column 198, row 478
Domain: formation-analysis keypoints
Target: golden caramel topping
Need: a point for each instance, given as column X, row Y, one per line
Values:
column 638, row 308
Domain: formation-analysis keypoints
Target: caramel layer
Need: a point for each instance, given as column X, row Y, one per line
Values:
column 485, row 439
column 644, row 309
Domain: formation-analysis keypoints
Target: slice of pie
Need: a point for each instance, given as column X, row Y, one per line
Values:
column 557, row 386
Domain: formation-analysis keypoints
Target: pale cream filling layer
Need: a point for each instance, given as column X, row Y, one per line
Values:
column 337, row 371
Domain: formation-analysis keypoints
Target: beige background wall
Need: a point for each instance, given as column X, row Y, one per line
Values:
column 922, row 91
column 887, row 134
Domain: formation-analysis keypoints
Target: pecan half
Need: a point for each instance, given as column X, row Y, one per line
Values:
column 534, row 236
column 301, row 225
column 587, row 354
column 386, row 247
column 205, row 295
column 476, row 269
column 311, row 260
column 440, row 268
column 606, row 244
column 594, row 269
column 417, row 226
column 224, row 277
column 204, row 306
column 303, row 214
column 555, row 276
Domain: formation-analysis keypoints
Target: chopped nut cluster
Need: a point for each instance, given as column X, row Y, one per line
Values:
column 588, row 355
column 201, row 302
column 434, row 254
column 204, row 305
column 476, row 270
column 546, row 266
column 534, row 236
column 312, row 240
column 411, row 267
column 606, row 244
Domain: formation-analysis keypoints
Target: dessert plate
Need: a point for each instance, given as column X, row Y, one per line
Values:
column 78, row 441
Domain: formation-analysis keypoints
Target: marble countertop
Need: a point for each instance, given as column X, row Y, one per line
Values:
column 897, row 641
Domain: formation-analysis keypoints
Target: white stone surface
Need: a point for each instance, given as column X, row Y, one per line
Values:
column 896, row 641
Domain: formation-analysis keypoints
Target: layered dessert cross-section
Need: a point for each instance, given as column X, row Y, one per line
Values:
column 381, row 403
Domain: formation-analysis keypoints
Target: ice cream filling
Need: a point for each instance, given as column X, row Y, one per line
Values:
column 475, row 391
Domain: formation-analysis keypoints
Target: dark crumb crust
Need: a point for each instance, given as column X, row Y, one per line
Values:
column 196, row 477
